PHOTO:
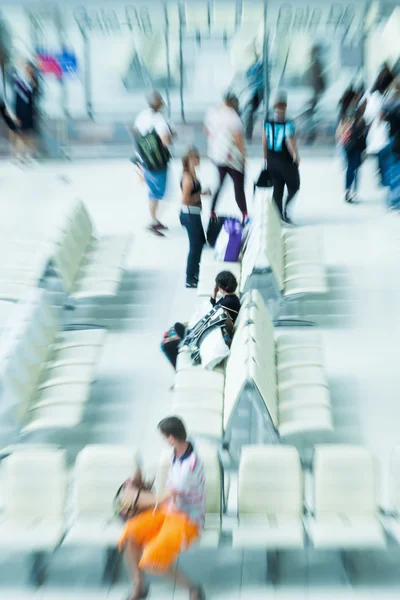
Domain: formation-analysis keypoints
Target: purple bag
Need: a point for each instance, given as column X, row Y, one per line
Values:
column 229, row 241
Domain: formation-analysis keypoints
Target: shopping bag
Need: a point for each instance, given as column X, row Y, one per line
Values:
column 213, row 229
column 264, row 180
column 229, row 242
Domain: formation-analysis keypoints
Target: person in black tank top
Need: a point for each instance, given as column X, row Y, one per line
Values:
column 190, row 216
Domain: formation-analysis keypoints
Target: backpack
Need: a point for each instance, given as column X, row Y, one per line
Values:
column 217, row 317
column 152, row 152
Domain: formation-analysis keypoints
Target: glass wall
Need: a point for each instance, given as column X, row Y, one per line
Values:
column 98, row 59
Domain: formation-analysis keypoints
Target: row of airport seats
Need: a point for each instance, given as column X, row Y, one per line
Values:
column 272, row 514
column 287, row 372
column 292, row 257
column 88, row 266
column 46, row 371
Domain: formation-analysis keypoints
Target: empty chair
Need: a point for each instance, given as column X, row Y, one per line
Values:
column 394, row 524
column 90, row 267
column 345, row 499
column 99, row 472
column 34, row 487
column 214, row 492
column 270, row 499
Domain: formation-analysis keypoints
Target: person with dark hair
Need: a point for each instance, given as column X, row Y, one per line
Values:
column 190, row 216
column 352, row 134
column 383, row 80
column 153, row 540
column 26, row 87
column 280, row 152
column 226, row 149
column 226, row 286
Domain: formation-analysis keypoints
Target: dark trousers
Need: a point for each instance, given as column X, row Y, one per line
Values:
column 353, row 160
column 283, row 173
column 238, row 184
column 197, row 239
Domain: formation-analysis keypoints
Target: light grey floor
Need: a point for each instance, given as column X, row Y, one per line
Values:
column 359, row 320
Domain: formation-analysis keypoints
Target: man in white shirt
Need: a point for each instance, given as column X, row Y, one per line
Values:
column 156, row 135
column 226, row 149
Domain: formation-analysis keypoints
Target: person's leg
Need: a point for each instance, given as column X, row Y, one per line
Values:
column 156, row 182
column 357, row 165
column 200, row 240
column 222, row 171
column 161, row 554
column 279, row 186
column 190, row 224
column 132, row 557
column 293, row 186
column 240, row 196
column 139, row 533
column 350, row 173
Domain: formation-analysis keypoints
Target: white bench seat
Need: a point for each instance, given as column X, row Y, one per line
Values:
column 54, row 416
column 77, row 338
column 303, row 396
column 99, row 471
column 346, row 501
column 270, row 499
column 307, row 339
column 347, row 533
column 295, row 356
column 184, row 362
column 278, row 533
column 61, row 393
column 202, row 423
column 34, row 486
column 291, row 376
column 90, row 267
column 74, row 355
column 204, row 380
column 205, row 400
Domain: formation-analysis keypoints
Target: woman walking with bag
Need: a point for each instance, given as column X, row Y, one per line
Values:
column 190, row 216
column 352, row 135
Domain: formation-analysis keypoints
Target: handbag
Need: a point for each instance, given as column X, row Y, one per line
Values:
column 229, row 242
column 264, row 180
column 213, row 230
column 130, row 485
column 216, row 317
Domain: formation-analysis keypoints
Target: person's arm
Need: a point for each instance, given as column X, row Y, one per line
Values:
column 291, row 142
column 265, row 146
column 214, row 295
column 239, row 141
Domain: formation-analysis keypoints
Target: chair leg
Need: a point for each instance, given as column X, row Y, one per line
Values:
column 38, row 570
column 113, row 558
column 273, row 567
column 348, row 566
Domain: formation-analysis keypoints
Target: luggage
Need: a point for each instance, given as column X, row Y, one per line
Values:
column 152, row 152
column 264, row 180
column 229, row 242
column 213, row 230
column 215, row 318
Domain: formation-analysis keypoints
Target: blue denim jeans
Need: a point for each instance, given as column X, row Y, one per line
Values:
column 353, row 164
column 197, row 239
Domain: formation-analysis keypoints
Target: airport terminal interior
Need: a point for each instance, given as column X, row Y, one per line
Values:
column 313, row 514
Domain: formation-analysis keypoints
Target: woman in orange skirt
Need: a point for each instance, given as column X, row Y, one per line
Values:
column 153, row 540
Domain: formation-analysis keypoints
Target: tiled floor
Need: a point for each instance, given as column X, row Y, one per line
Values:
column 360, row 322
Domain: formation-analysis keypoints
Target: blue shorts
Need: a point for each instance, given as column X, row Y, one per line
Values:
column 156, row 182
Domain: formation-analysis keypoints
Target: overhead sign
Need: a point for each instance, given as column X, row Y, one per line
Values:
column 58, row 63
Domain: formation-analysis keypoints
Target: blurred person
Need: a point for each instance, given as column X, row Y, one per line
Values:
column 190, row 216
column 255, row 83
column 351, row 134
column 11, row 126
column 281, row 155
column 153, row 149
column 226, row 149
column 153, row 540
column 384, row 80
column 26, row 88
column 224, row 295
